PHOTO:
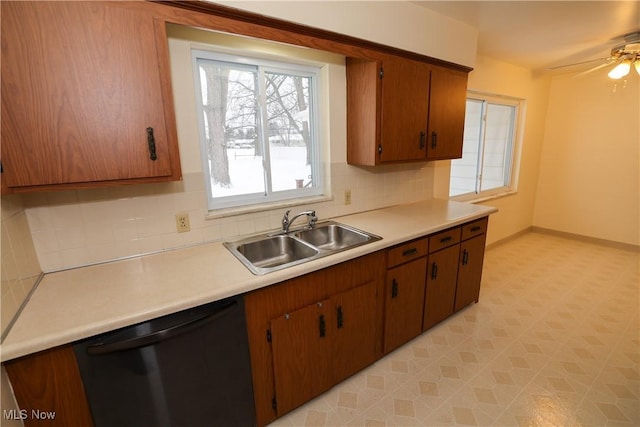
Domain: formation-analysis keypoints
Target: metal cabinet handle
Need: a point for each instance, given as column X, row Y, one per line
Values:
column 434, row 139
column 151, row 140
column 446, row 239
column 434, row 271
column 422, row 138
column 394, row 288
column 340, row 316
column 476, row 228
column 465, row 257
column 322, row 326
column 410, row 252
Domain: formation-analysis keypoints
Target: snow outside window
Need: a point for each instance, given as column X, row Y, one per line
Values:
column 486, row 166
column 258, row 129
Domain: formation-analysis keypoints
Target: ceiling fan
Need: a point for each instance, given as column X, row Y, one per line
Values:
column 624, row 56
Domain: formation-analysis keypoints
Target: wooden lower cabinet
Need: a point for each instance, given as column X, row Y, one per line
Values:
column 440, row 294
column 49, row 383
column 311, row 332
column 470, row 271
column 320, row 345
column 404, row 296
column 354, row 343
column 302, row 354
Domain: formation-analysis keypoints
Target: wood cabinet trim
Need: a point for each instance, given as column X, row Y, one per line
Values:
column 323, row 39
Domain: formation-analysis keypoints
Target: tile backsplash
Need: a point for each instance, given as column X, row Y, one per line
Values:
column 83, row 227
column 20, row 268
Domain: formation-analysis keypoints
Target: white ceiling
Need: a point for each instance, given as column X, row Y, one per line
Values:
column 543, row 34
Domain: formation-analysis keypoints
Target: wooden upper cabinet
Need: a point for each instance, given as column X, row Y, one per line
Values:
column 405, row 100
column 447, row 105
column 84, row 84
column 387, row 107
column 403, row 110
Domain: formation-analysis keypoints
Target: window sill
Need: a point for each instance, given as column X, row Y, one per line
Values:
column 242, row 210
column 483, row 198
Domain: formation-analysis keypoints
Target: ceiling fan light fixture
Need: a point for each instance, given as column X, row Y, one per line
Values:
column 637, row 65
column 621, row 70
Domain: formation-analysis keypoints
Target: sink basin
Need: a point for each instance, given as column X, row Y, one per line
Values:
column 265, row 253
column 333, row 236
column 274, row 251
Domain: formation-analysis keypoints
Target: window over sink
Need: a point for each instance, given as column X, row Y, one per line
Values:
column 259, row 124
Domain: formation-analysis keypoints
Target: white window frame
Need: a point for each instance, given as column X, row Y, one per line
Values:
column 264, row 65
column 513, row 149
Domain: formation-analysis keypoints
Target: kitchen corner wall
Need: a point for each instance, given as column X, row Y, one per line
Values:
column 590, row 166
column 20, row 268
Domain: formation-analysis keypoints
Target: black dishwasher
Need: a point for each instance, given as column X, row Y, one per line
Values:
column 190, row 369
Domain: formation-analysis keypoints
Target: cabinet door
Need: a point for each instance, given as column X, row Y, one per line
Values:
column 302, row 349
column 404, row 303
column 446, row 113
column 363, row 111
column 356, row 330
column 81, row 84
column 50, row 381
column 470, row 271
column 441, row 285
column 405, row 101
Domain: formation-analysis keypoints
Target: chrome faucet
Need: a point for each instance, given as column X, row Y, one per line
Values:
column 286, row 222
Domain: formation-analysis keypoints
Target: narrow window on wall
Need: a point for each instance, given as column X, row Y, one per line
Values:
column 486, row 166
column 258, row 129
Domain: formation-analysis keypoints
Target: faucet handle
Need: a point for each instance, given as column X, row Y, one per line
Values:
column 285, row 220
column 312, row 219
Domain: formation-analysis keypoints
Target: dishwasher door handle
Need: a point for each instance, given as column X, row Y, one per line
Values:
column 161, row 335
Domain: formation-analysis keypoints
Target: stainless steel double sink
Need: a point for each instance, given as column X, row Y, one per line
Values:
column 269, row 252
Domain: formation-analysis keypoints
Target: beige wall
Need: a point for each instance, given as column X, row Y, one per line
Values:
column 516, row 210
column 589, row 172
column 394, row 23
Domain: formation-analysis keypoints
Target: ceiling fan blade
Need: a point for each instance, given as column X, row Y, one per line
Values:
column 579, row 63
column 608, row 63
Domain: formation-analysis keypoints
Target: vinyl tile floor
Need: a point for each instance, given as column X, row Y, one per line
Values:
column 553, row 341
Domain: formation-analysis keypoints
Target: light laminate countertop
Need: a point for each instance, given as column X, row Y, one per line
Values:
column 75, row 304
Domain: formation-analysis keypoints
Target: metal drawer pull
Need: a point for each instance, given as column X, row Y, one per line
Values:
column 434, row 139
column 409, row 252
column 422, row 138
column 446, row 239
column 476, row 228
column 323, row 326
column 340, row 317
column 434, row 271
column 394, row 288
column 151, row 140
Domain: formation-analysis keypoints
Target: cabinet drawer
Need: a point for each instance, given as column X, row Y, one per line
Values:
column 444, row 239
column 406, row 252
column 474, row 228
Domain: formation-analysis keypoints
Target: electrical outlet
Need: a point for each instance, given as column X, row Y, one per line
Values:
column 182, row 222
column 347, row 197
